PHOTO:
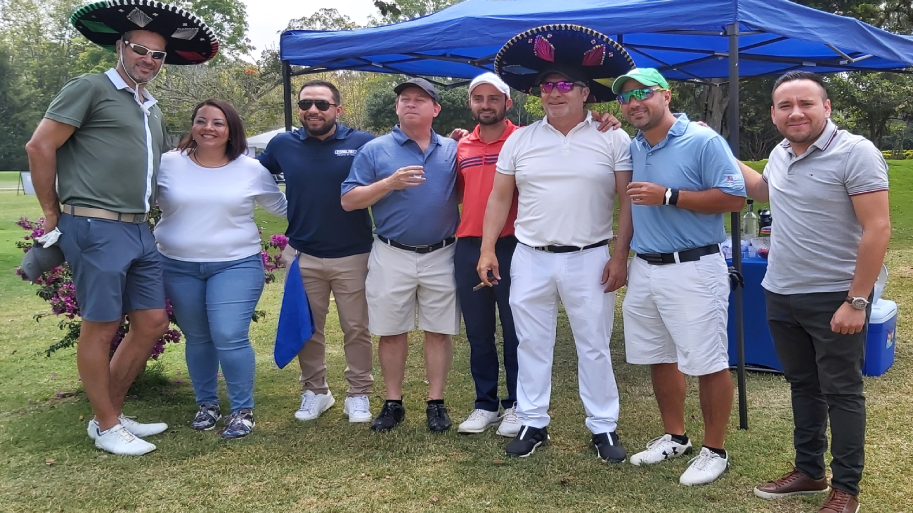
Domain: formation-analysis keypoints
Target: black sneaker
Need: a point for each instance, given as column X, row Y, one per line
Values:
column 609, row 448
column 527, row 441
column 438, row 420
column 206, row 417
column 390, row 415
column 240, row 424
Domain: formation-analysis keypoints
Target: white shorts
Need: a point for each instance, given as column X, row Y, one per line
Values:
column 398, row 278
column 677, row 313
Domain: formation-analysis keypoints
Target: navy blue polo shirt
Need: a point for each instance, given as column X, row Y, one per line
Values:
column 314, row 171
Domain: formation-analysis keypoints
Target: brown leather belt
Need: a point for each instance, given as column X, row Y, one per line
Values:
column 100, row 213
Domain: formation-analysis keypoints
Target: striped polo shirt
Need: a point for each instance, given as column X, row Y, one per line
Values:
column 476, row 160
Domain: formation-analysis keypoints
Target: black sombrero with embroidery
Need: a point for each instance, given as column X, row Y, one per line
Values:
column 189, row 39
column 568, row 49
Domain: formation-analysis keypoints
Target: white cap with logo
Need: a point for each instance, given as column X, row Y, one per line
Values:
column 492, row 79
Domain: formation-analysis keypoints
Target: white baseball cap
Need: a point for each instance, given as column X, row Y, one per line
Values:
column 490, row 78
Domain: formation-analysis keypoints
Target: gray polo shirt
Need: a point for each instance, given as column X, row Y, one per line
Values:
column 815, row 234
column 112, row 158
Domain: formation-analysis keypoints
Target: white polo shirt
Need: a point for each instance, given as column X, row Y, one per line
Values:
column 566, row 184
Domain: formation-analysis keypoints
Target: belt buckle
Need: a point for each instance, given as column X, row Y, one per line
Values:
column 425, row 248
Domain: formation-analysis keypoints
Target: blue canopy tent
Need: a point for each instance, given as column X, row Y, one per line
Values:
column 684, row 39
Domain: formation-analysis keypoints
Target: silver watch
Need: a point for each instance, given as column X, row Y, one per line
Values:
column 859, row 303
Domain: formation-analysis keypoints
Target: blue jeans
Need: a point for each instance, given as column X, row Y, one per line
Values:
column 479, row 316
column 213, row 303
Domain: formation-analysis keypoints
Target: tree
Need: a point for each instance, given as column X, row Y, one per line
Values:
column 228, row 19
column 402, row 10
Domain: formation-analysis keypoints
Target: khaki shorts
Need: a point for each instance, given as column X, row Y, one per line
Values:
column 398, row 280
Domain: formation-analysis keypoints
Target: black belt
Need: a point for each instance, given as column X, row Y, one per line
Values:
column 569, row 249
column 418, row 249
column 689, row 255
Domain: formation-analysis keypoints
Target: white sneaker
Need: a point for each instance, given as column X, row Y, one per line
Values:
column 358, row 408
column 313, row 405
column 510, row 423
column 661, row 449
column 704, row 468
column 134, row 427
column 478, row 421
column 118, row 440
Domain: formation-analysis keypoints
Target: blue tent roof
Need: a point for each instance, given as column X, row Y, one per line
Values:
column 686, row 39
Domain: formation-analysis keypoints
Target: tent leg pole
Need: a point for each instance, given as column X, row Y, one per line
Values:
column 733, row 31
column 287, row 92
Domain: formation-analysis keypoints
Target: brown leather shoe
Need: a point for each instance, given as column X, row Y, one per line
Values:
column 793, row 483
column 840, row 502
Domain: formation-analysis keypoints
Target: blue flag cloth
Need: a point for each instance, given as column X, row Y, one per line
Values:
column 296, row 324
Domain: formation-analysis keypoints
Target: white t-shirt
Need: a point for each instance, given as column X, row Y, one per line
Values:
column 566, row 184
column 208, row 213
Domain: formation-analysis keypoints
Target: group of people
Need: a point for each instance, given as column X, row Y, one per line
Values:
column 534, row 230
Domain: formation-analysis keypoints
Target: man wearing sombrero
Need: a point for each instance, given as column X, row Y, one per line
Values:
column 101, row 141
column 567, row 175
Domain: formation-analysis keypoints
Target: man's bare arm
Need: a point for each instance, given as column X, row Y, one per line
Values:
column 874, row 215
column 755, row 185
column 42, row 151
column 496, row 211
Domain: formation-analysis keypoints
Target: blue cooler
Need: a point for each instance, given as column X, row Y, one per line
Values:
column 882, row 337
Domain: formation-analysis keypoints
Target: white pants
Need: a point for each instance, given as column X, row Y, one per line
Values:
column 538, row 281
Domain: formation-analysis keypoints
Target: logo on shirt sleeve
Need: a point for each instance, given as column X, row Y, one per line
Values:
column 346, row 153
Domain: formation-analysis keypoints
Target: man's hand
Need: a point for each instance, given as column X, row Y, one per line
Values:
column 847, row 320
column 615, row 274
column 50, row 221
column 409, row 176
column 646, row 193
column 488, row 264
column 458, row 133
column 606, row 121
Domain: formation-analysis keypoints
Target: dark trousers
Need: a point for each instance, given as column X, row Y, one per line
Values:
column 824, row 371
column 479, row 316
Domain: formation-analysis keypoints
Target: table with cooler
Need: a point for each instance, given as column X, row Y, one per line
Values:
column 759, row 348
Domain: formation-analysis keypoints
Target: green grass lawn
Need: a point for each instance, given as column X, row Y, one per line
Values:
column 48, row 462
column 9, row 180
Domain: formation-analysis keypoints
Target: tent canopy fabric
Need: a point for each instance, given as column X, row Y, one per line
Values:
column 260, row 141
column 685, row 39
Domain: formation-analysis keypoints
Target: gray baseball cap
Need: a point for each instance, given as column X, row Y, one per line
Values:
column 39, row 260
column 421, row 83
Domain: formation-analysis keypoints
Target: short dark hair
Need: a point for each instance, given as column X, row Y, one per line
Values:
column 237, row 140
column 322, row 83
column 792, row 76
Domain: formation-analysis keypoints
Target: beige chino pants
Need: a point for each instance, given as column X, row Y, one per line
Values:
column 344, row 277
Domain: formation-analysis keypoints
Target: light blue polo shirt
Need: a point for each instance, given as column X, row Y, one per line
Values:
column 693, row 158
column 415, row 216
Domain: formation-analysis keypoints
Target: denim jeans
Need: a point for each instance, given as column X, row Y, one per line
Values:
column 213, row 303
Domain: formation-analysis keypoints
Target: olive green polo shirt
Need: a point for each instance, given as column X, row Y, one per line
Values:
column 112, row 158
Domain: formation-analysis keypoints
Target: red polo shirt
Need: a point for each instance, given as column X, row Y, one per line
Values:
column 476, row 161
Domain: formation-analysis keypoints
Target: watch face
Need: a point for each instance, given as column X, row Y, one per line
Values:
column 859, row 303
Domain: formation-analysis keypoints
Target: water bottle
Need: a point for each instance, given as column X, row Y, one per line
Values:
column 750, row 223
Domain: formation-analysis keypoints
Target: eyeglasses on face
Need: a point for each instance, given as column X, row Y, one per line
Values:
column 321, row 105
column 142, row 50
column 563, row 87
column 638, row 94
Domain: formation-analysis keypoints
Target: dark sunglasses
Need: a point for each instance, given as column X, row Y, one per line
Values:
column 321, row 105
column 142, row 50
column 563, row 87
column 638, row 94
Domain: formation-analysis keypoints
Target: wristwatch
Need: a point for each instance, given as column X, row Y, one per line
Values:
column 859, row 303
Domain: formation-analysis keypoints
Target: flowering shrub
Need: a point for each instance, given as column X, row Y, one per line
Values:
column 58, row 290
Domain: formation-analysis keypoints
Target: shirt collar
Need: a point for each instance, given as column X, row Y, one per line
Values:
column 120, row 83
column 586, row 121
column 401, row 138
column 474, row 136
column 676, row 130
column 341, row 132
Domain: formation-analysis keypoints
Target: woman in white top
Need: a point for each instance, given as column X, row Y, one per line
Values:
column 211, row 253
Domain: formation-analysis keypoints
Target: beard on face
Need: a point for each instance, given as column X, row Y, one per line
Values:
column 320, row 130
column 490, row 120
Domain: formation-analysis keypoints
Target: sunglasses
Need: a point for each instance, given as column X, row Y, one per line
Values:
column 638, row 94
column 321, row 105
column 142, row 50
column 563, row 87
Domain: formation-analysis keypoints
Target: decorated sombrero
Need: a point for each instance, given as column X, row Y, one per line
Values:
column 567, row 49
column 189, row 39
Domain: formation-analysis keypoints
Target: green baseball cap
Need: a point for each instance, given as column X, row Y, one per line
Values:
column 646, row 76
